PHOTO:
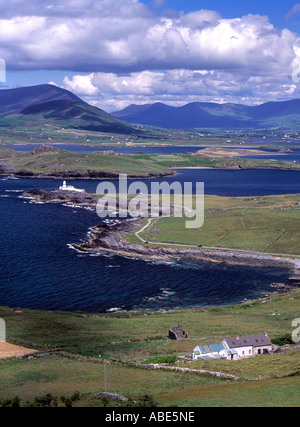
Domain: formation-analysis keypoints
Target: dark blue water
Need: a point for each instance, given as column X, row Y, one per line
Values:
column 39, row 270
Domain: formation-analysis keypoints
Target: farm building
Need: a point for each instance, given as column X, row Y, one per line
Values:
column 178, row 333
column 235, row 348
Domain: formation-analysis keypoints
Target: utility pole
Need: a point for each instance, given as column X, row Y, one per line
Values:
column 105, row 362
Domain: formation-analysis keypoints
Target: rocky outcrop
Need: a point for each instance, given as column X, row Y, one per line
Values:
column 112, row 396
column 69, row 197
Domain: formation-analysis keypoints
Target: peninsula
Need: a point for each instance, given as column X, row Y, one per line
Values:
column 52, row 162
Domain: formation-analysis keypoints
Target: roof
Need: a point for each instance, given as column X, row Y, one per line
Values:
column 210, row 348
column 230, row 352
column 251, row 341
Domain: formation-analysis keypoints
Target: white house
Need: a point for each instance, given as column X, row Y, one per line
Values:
column 66, row 187
column 253, row 345
column 235, row 348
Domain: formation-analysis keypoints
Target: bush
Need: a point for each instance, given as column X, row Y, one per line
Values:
column 8, row 403
column 283, row 340
column 146, row 401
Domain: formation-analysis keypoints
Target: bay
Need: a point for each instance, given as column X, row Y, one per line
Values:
column 38, row 269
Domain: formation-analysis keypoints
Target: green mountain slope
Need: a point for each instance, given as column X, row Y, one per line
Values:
column 55, row 106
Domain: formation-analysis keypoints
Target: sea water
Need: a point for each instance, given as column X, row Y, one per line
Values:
column 39, row 270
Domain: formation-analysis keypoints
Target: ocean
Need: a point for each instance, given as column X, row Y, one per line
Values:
column 39, row 270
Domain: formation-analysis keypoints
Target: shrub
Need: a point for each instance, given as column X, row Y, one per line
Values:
column 146, row 401
column 283, row 340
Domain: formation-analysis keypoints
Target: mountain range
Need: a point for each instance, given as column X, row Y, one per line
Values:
column 57, row 106
column 35, row 105
column 206, row 115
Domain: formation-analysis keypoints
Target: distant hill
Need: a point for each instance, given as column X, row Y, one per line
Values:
column 205, row 115
column 59, row 107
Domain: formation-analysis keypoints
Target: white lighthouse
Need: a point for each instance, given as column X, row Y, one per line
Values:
column 66, row 187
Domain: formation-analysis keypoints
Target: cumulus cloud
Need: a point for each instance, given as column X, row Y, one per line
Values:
column 126, row 36
column 122, row 50
column 178, row 87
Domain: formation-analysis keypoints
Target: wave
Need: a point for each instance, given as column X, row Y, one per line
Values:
column 114, row 310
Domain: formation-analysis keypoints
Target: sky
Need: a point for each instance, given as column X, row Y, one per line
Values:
column 113, row 53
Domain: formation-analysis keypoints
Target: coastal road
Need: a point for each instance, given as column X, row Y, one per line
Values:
column 143, row 229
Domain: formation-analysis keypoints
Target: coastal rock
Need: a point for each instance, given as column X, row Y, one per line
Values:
column 70, row 197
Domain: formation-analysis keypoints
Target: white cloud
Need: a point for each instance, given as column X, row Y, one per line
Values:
column 178, row 87
column 125, row 36
column 82, row 85
column 116, row 47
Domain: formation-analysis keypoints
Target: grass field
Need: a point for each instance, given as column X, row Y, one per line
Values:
column 126, row 337
column 61, row 376
column 268, row 224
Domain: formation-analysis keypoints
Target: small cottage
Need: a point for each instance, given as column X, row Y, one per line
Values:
column 178, row 333
column 254, row 345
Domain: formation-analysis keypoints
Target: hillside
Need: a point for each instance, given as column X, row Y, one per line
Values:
column 58, row 107
column 15, row 100
column 73, row 342
column 207, row 115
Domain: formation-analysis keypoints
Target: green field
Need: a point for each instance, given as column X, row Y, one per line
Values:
column 268, row 224
column 36, row 129
column 126, row 337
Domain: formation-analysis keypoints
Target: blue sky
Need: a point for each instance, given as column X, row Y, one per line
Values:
column 276, row 10
column 113, row 53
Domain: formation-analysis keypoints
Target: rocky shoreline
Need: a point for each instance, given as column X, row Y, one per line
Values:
column 107, row 238
column 60, row 196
